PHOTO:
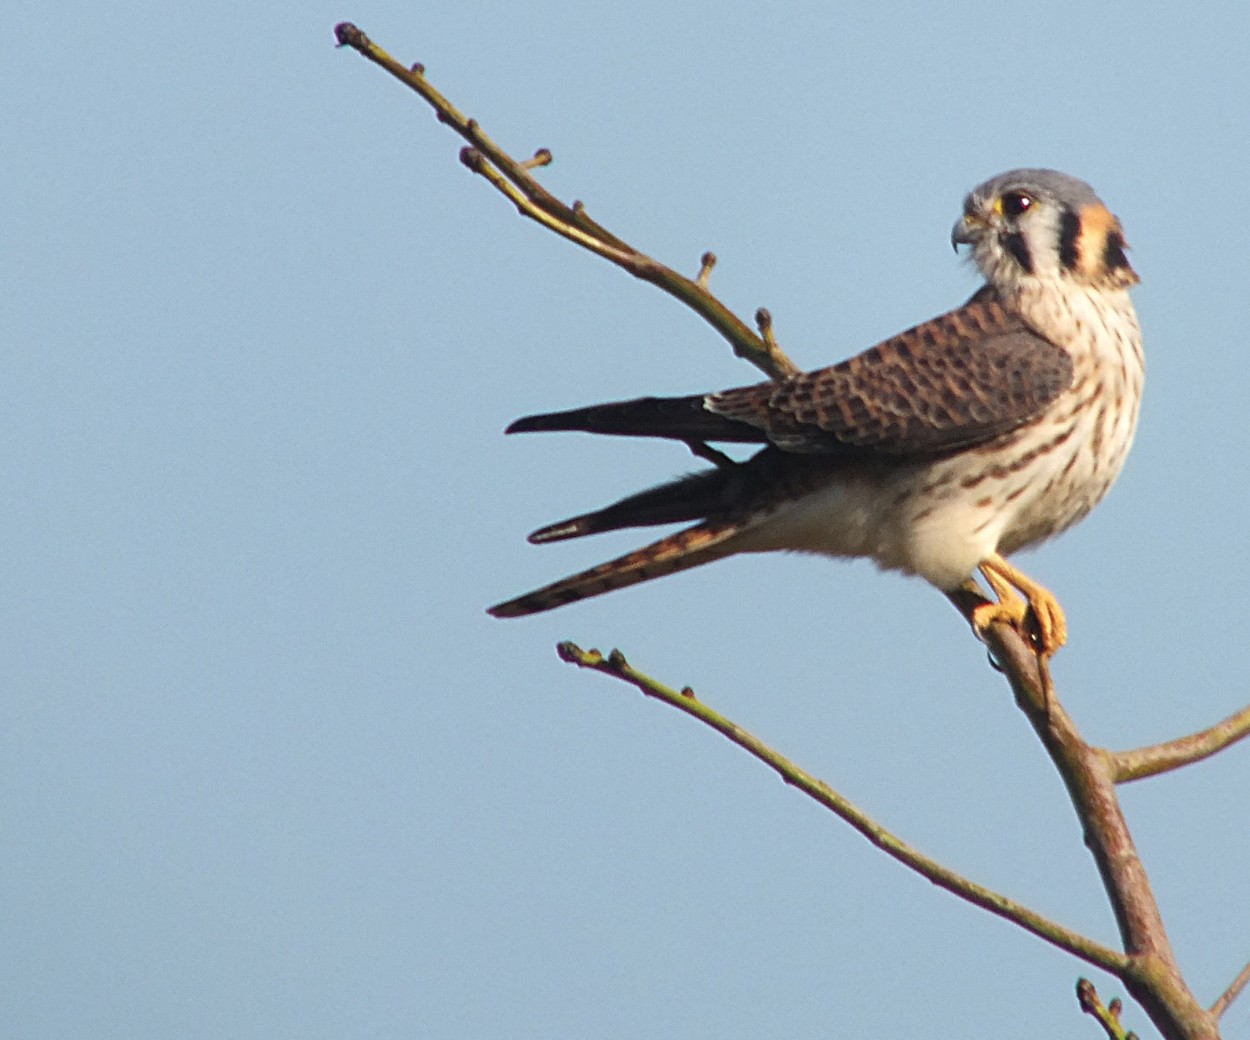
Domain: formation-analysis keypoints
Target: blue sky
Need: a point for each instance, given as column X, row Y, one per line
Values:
column 266, row 766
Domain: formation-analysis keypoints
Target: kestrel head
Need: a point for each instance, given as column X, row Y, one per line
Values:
column 1030, row 226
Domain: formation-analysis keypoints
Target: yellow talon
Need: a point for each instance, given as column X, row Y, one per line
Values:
column 1007, row 581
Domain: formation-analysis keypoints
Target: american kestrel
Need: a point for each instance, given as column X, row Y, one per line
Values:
column 937, row 452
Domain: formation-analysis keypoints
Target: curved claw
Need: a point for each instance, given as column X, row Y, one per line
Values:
column 1007, row 581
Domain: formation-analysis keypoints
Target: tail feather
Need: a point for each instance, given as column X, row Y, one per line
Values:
column 727, row 502
column 679, row 418
column 678, row 552
column 694, row 497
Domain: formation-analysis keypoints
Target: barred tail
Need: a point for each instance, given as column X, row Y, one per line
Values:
column 678, row 552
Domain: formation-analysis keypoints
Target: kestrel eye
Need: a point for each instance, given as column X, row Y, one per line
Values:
column 1016, row 202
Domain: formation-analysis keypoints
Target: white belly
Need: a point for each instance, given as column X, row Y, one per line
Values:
column 940, row 520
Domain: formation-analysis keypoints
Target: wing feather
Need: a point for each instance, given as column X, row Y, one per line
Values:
column 961, row 379
column 958, row 380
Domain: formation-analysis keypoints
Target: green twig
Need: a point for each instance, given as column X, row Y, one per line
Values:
column 1108, row 1015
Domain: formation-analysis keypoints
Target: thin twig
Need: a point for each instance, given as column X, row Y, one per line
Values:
column 1108, row 1015
column 1232, row 993
column 764, row 322
column 1173, row 754
column 513, row 179
column 1067, row 939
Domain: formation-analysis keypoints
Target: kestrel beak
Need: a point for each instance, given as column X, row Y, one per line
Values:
column 966, row 231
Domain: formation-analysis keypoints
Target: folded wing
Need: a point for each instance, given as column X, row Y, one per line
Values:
column 958, row 380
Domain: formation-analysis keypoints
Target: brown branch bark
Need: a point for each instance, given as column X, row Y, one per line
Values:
column 1232, row 993
column 1153, row 976
column 1173, row 754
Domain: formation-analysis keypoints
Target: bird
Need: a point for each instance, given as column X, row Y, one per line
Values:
column 937, row 453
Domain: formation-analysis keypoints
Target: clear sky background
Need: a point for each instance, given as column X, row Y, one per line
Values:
column 267, row 769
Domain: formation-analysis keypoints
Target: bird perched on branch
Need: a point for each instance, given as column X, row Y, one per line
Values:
column 936, row 453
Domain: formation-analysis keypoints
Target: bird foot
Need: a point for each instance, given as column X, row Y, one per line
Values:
column 1049, row 628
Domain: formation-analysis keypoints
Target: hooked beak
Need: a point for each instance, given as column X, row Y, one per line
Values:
column 966, row 231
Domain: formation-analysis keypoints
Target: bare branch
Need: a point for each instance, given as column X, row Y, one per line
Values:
column 513, row 180
column 1232, row 993
column 1173, row 754
column 764, row 322
column 1108, row 1015
column 1073, row 942
column 1154, row 976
